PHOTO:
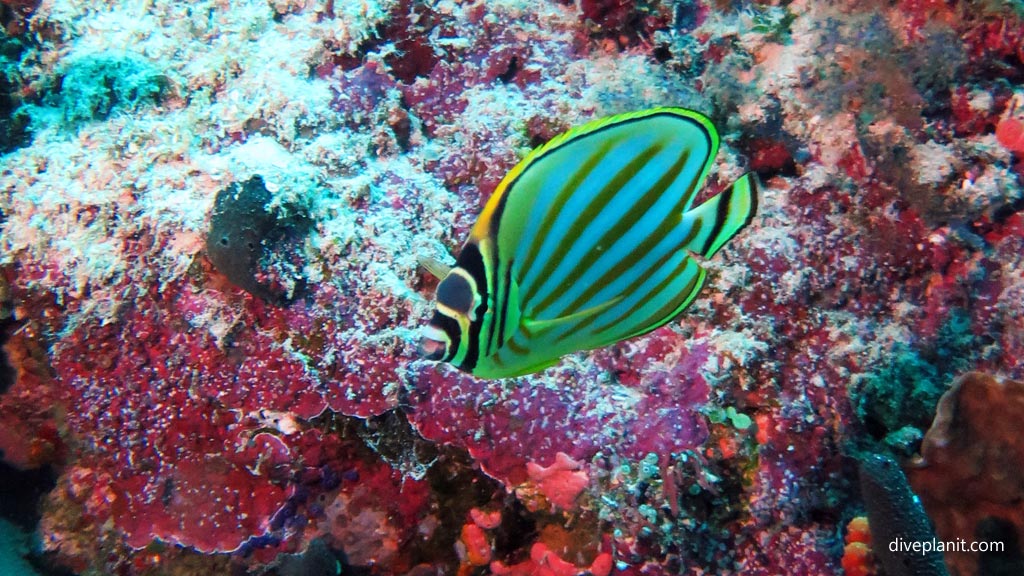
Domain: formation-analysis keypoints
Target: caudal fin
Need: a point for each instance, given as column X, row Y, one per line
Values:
column 721, row 217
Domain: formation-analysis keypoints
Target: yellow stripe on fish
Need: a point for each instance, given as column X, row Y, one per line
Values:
column 588, row 241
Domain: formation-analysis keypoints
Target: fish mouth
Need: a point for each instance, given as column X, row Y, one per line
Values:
column 434, row 343
column 430, row 349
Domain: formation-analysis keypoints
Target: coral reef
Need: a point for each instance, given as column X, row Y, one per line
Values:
column 258, row 407
column 14, row 15
column 897, row 416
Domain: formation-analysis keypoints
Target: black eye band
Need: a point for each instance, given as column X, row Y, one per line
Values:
column 456, row 293
column 451, row 328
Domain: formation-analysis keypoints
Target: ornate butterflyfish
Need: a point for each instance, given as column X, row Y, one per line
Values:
column 591, row 239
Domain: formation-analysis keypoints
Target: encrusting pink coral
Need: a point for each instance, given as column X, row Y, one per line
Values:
column 561, row 482
column 544, row 562
column 486, row 519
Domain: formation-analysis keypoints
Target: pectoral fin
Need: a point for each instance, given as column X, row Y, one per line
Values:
column 566, row 323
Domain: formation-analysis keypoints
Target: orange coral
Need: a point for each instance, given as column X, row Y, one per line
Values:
column 858, row 531
column 477, row 546
column 857, row 557
column 857, row 560
column 1010, row 133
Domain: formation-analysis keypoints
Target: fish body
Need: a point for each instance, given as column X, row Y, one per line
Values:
column 590, row 240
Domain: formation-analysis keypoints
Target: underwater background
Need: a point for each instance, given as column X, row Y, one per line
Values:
column 172, row 404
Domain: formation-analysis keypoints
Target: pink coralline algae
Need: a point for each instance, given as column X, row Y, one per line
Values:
column 564, row 419
column 561, row 482
column 157, row 387
column 545, row 562
column 192, row 419
column 198, row 423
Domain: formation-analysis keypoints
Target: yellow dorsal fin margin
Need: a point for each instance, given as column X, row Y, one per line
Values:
column 483, row 225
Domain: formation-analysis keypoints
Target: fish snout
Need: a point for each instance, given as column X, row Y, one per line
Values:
column 433, row 344
column 430, row 349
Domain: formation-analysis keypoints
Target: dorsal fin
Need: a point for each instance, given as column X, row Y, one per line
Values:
column 722, row 216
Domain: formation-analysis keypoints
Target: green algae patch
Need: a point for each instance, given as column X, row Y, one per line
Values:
column 896, row 403
column 14, row 547
column 14, row 120
column 95, row 87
